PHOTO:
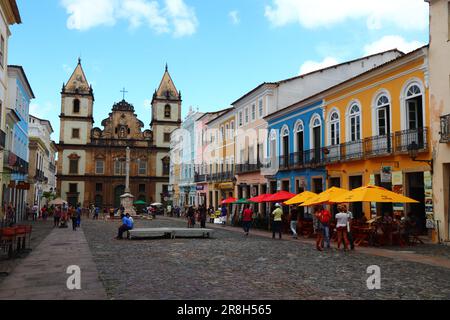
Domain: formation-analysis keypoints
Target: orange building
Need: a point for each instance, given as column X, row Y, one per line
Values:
column 377, row 124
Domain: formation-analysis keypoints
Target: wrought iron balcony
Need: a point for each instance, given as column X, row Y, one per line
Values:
column 353, row 150
column 200, row 178
column 2, row 139
column 14, row 163
column 445, row 129
column 248, row 167
column 378, row 146
column 403, row 139
column 39, row 176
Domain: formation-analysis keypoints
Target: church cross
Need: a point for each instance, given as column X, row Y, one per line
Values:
column 124, row 91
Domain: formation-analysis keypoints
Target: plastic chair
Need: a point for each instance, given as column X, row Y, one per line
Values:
column 8, row 239
column 28, row 229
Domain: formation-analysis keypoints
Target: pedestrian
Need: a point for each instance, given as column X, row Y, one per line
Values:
column 349, row 227
column 96, row 213
column 44, row 213
column 223, row 215
column 191, row 217
column 78, row 213
column 247, row 218
column 318, row 228
column 203, row 215
column 325, row 219
column 35, row 211
column 341, row 226
column 56, row 217
column 277, row 220
column 294, row 221
column 73, row 216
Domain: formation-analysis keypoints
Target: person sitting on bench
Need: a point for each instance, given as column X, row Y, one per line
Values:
column 127, row 225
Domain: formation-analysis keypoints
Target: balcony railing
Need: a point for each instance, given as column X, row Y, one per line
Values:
column 14, row 163
column 378, row 146
column 403, row 139
column 248, row 168
column 445, row 129
column 2, row 140
column 200, row 178
column 39, row 176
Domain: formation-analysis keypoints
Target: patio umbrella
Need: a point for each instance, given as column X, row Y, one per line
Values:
column 57, row 202
column 243, row 201
column 302, row 197
column 325, row 197
column 229, row 200
column 260, row 199
column 373, row 194
column 140, row 202
column 280, row 196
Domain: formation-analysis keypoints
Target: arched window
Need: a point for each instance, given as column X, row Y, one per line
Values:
column 355, row 122
column 167, row 111
column 414, row 107
column 273, row 144
column 383, row 115
column 299, row 142
column 335, row 135
column 285, row 140
column 316, row 137
column 76, row 106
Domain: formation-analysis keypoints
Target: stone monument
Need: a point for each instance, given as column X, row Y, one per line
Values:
column 127, row 199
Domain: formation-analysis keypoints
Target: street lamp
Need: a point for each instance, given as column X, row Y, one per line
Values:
column 413, row 150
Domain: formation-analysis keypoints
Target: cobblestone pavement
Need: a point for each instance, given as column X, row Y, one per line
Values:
column 41, row 229
column 230, row 266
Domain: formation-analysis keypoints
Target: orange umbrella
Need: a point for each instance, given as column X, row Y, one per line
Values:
column 325, row 197
column 302, row 197
column 372, row 194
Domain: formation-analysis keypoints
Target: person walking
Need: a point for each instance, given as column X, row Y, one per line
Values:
column 191, row 217
column 294, row 221
column 34, row 211
column 277, row 220
column 73, row 216
column 78, row 213
column 96, row 213
column 247, row 218
column 203, row 216
column 318, row 228
column 325, row 219
column 341, row 226
column 349, row 227
column 56, row 217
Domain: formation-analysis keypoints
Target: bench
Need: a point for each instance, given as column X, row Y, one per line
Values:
column 170, row 233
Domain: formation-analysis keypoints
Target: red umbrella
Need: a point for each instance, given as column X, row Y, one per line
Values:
column 280, row 196
column 261, row 198
column 229, row 201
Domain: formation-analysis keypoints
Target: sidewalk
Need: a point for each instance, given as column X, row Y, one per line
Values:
column 380, row 252
column 42, row 275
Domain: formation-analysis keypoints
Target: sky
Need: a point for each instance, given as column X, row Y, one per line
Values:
column 216, row 50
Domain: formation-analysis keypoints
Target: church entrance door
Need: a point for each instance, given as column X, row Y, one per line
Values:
column 118, row 191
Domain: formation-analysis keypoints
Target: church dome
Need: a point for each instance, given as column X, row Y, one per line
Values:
column 123, row 106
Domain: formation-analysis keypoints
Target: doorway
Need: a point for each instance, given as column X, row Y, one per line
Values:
column 316, row 141
column 317, row 185
column 384, row 209
column 416, row 191
column 118, row 192
column 356, row 207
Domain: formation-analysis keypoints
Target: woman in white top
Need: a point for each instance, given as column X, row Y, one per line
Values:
column 341, row 226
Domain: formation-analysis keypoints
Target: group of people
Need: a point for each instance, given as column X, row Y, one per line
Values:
column 200, row 214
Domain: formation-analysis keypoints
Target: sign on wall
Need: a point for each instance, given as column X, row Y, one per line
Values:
column 429, row 211
column 386, row 174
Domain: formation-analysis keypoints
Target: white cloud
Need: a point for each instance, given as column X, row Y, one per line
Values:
column 41, row 111
column 174, row 17
column 405, row 14
column 234, row 16
column 310, row 66
column 392, row 42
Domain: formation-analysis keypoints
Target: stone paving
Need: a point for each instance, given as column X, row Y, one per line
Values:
column 43, row 274
column 231, row 266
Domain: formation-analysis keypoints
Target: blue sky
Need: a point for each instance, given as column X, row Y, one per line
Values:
column 217, row 50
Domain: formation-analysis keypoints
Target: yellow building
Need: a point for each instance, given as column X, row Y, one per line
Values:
column 220, row 158
column 373, row 123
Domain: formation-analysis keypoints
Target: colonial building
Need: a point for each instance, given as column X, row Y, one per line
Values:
column 9, row 15
column 91, row 161
column 42, row 155
column 16, row 151
column 439, row 62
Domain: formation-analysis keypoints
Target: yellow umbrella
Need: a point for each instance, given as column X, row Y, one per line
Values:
column 372, row 194
column 302, row 197
column 325, row 197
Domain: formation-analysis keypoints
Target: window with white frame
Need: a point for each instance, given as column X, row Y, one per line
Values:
column 240, row 119
column 382, row 115
column 334, row 129
column 227, row 131
column 142, row 168
column 355, row 122
column 246, row 115
column 253, row 112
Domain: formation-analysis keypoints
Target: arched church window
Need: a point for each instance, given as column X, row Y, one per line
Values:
column 76, row 106
column 167, row 111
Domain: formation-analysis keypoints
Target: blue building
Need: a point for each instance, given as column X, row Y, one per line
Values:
column 296, row 148
column 18, row 106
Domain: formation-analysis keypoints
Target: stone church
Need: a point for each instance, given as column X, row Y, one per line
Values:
column 91, row 160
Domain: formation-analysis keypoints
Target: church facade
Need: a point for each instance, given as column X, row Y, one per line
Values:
column 91, row 160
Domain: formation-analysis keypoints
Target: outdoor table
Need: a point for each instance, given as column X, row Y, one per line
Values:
column 362, row 234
